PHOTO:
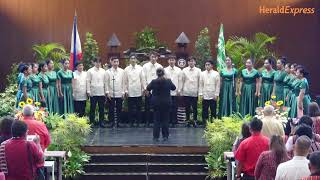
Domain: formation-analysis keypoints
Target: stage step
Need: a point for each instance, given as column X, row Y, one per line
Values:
column 145, row 167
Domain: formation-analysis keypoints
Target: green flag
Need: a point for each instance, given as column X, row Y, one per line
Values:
column 221, row 55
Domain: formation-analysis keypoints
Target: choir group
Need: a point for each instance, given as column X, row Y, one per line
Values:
column 67, row 92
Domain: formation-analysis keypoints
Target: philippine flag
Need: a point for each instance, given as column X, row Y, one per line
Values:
column 75, row 51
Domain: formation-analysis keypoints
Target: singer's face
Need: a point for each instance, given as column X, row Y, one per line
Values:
column 279, row 64
column 192, row 63
column 66, row 64
column 228, row 61
column 287, row 68
column 35, row 69
column 293, row 69
column 97, row 64
column 249, row 63
column 208, row 66
column 115, row 63
column 50, row 65
column 153, row 58
column 80, row 67
column 133, row 60
column 266, row 64
column 172, row 62
column 45, row 68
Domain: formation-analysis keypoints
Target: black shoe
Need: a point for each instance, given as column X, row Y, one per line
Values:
column 111, row 125
column 195, row 125
column 156, row 139
column 165, row 139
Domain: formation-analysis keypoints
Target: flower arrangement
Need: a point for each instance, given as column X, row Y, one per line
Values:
column 281, row 112
column 40, row 113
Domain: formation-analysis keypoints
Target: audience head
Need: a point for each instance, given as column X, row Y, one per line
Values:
column 209, row 65
column 302, row 146
column 5, row 125
column 19, row 129
column 314, row 162
column 277, row 145
column 245, row 130
column 28, row 110
column 255, row 125
column 172, row 60
column 306, row 120
column 268, row 110
column 191, row 61
column 79, row 66
column 304, row 130
column 153, row 57
column 313, row 109
column 160, row 72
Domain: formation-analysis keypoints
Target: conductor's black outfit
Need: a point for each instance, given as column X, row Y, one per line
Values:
column 161, row 102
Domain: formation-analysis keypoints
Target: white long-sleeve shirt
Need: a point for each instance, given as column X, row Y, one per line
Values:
column 149, row 71
column 190, row 78
column 295, row 169
column 115, row 76
column 173, row 73
column 209, row 84
column 134, row 80
column 96, row 81
column 80, row 85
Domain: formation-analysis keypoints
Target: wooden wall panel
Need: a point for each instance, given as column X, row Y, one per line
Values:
column 26, row 22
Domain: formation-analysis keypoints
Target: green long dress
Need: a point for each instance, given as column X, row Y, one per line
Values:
column 278, row 79
column 26, row 82
column 286, row 89
column 45, row 87
column 66, row 87
column 306, row 99
column 53, row 103
column 35, row 87
column 248, row 100
column 227, row 102
column 266, row 86
column 293, row 98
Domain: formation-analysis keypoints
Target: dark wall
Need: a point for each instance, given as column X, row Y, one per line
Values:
column 26, row 22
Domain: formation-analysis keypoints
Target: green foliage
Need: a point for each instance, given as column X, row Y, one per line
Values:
column 146, row 39
column 241, row 48
column 203, row 47
column 54, row 51
column 69, row 134
column 220, row 135
column 8, row 100
column 91, row 50
column 12, row 76
column 52, row 121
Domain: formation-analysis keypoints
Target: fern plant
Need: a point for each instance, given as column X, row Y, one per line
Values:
column 258, row 48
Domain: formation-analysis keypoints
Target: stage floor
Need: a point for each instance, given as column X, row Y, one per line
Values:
column 143, row 137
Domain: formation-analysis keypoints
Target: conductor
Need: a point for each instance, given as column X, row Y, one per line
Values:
column 161, row 101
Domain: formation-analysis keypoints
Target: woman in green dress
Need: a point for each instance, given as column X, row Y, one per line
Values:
column 286, row 84
column 44, row 84
column 293, row 84
column 53, row 104
column 279, row 76
column 303, row 97
column 65, row 77
column 267, row 76
column 26, row 83
column 249, row 89
column 35, row 82
column 227, row 101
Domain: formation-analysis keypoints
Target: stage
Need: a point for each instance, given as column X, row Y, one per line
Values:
column 131, row 153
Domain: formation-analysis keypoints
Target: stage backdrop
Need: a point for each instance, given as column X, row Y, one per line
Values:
column 26, row 22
